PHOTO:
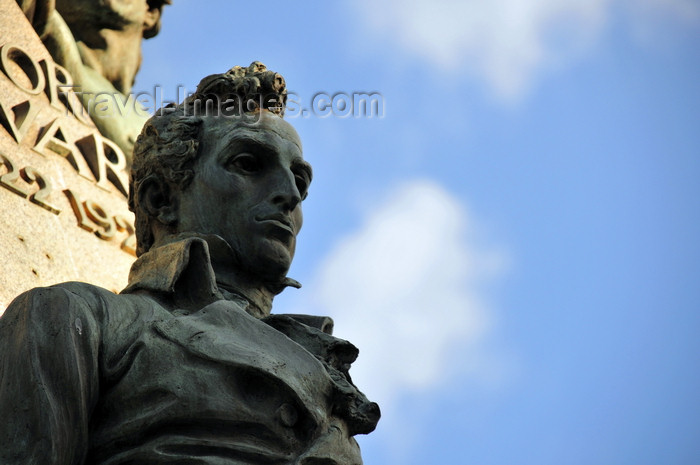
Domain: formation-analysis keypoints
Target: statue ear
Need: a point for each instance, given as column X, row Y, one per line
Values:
column 151, row 22
column 157, row 200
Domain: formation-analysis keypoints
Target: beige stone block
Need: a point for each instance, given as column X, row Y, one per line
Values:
column 62, row 215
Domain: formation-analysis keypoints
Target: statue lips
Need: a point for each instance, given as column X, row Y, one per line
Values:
column 280, row 225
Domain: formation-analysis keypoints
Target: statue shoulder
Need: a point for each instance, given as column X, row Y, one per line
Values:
column 75, row 303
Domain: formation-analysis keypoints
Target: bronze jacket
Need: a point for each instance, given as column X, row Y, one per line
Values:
column 91, row 377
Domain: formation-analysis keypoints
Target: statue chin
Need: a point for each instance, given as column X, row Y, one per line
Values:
column 269, row 270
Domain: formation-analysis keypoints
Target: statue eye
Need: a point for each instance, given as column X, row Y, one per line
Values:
column 246, row 162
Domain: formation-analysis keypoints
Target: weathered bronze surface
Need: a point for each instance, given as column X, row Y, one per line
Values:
column 187, row 365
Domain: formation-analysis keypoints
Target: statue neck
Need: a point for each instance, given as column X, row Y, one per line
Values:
column 115, row 54
column 259, row 298
column 230, row 278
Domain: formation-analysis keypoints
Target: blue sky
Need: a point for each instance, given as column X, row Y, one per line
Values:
column 514, row 244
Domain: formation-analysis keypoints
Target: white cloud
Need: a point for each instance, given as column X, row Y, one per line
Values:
column 406, row 288
column 504, row 42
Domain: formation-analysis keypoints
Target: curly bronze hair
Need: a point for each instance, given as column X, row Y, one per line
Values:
column 168, row 145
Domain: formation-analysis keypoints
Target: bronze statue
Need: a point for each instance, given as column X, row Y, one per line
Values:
column 99, row 44
column 187, row 365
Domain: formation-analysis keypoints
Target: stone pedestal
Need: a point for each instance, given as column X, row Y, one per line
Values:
column 63, row 186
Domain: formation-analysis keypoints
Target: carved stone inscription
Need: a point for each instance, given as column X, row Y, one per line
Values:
column 63, row 186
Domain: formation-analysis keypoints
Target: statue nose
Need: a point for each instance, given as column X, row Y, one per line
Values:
column 285, row 191
column 288, row 202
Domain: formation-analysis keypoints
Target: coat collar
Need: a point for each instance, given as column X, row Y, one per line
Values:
column 181, row 269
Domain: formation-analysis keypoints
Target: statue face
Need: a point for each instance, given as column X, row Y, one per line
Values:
column 97, row 14
column 249, row 181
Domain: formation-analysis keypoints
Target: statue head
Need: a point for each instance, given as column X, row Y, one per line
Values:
column 225, row 165
column 87, row 15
